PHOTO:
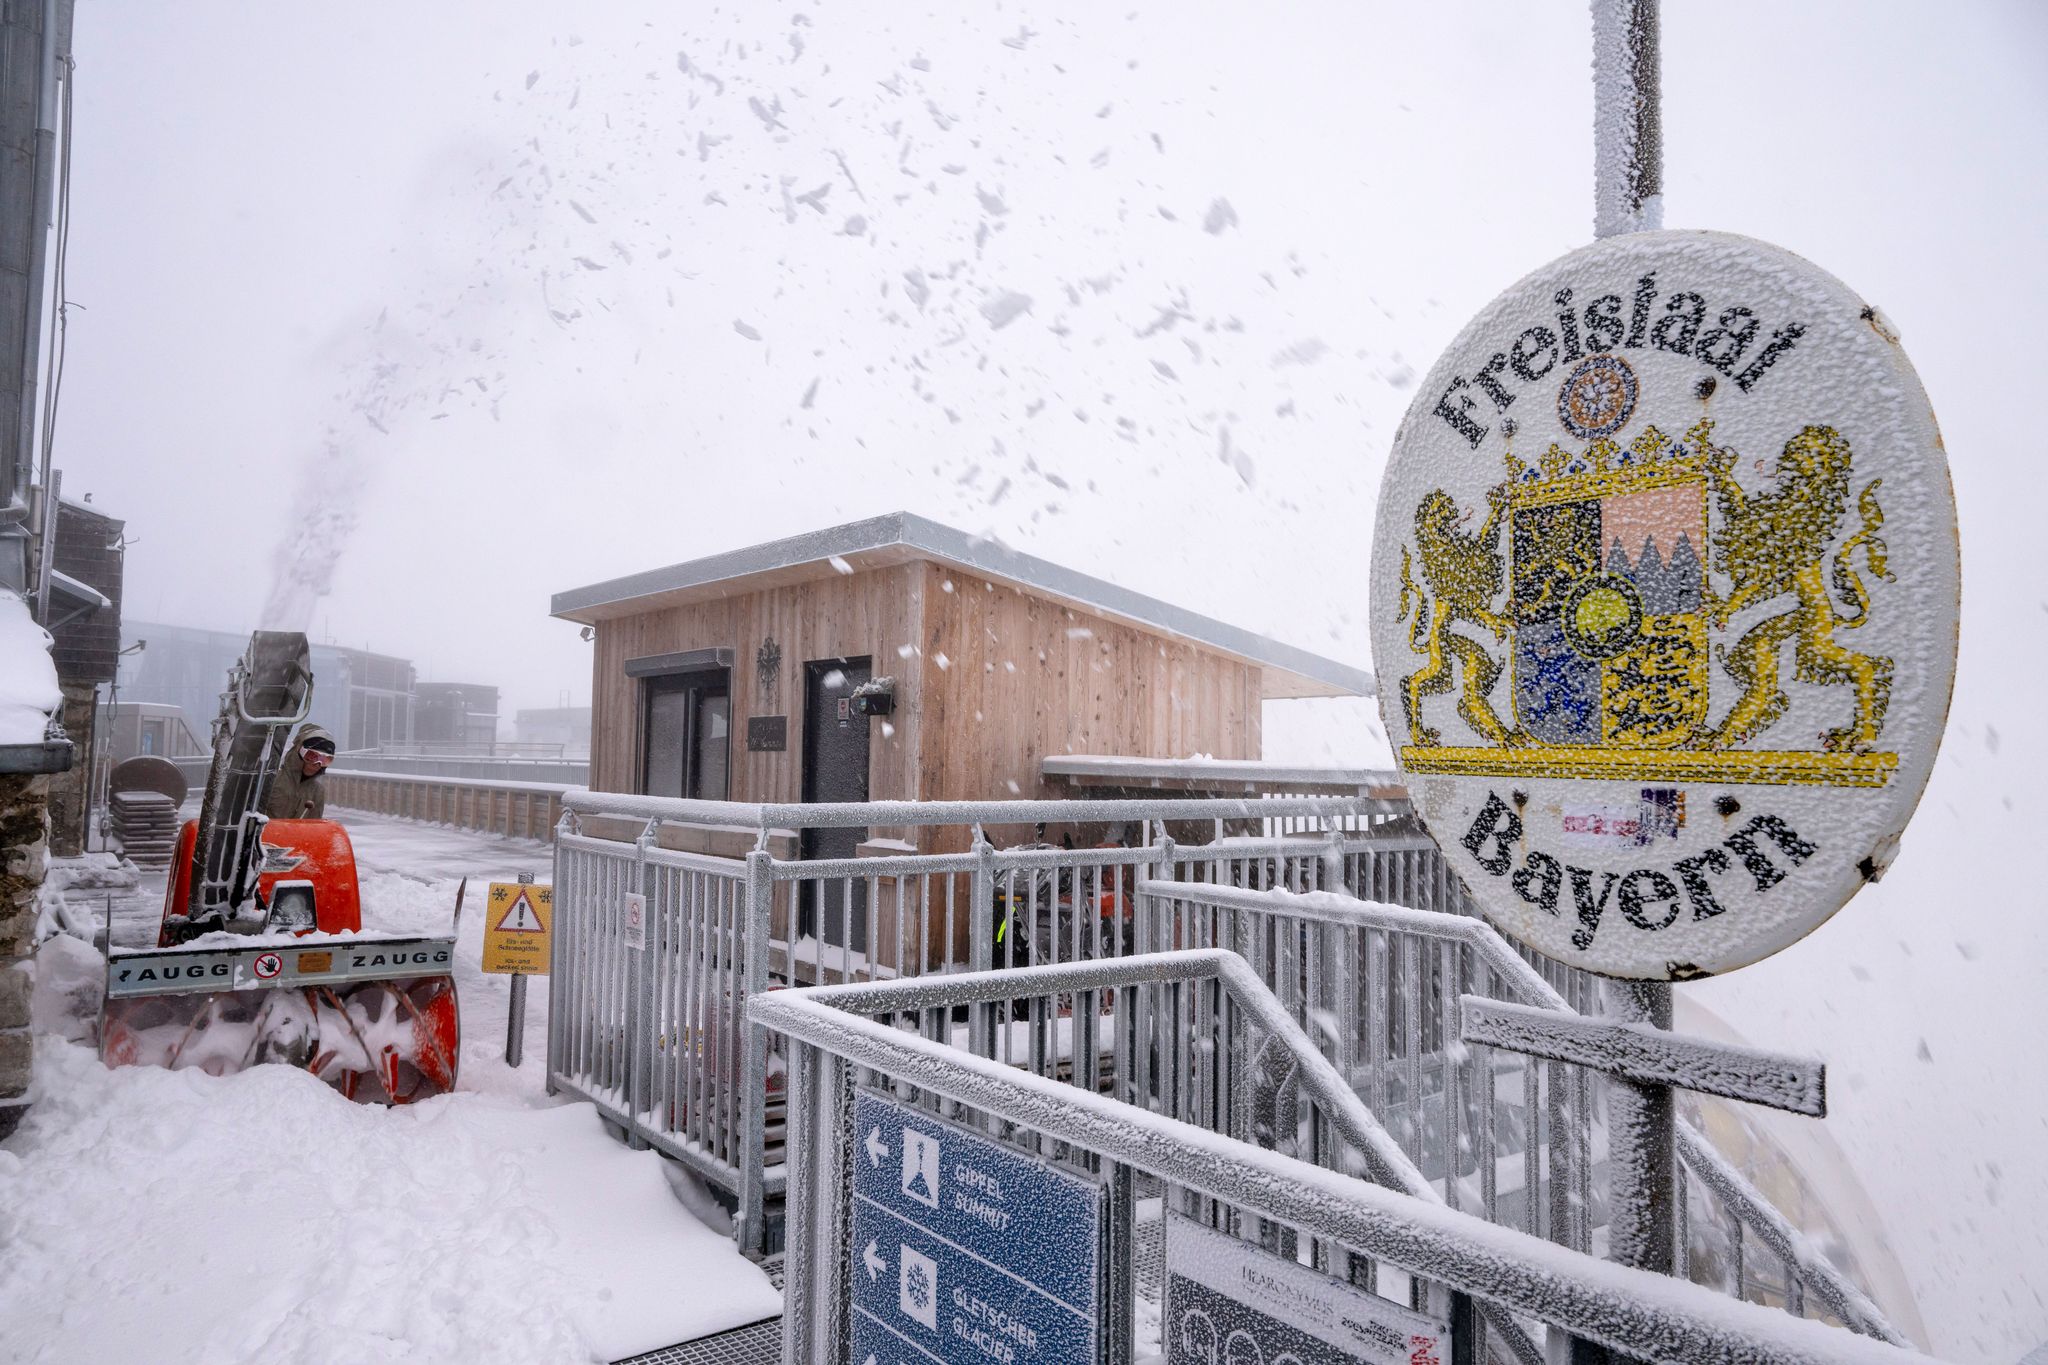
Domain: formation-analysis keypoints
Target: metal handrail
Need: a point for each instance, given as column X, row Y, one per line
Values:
column 1335, row 907
column 1384, row 1159
column 1756, row 1214
column 863, row 814
column 1647, row 1315
column 1822, row 1277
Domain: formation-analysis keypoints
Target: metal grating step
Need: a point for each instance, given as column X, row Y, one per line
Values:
column 758, row 1343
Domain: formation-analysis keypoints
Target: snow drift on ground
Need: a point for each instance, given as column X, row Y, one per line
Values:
column 264, row 1218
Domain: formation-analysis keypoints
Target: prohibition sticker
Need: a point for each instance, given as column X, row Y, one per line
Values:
column 1664, row 599
column 267, row 966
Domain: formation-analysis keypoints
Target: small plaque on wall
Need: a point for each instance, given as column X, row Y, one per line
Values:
column 767, row 734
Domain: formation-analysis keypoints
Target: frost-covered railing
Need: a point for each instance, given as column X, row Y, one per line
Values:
column 649, row 1024
column 1368, row 982
column 655, row 1035
column 1516, row 1140
column 1087, row 1096
column 523, row 810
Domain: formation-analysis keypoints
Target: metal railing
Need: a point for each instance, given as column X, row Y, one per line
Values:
column 1202, row 1128
column 1377, row 987
column 1514, row 1139
column 654, row 1035
column 522, row 810
column 657, row 1036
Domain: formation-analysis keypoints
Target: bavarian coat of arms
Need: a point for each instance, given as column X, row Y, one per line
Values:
column 1594, row 582
column 1664, row 601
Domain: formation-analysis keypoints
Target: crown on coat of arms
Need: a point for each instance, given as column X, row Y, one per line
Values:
column 1607, row 456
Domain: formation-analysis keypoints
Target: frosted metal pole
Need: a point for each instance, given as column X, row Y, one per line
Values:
column 1641, row 1143
column 1628, row 196
column 515, row 1022
column 515, row 1018
column 1628, row 128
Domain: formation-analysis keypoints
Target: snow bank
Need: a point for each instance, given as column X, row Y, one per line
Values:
column 28, row 679
column 262, row 1217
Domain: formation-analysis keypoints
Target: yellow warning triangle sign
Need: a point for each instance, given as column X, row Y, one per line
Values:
column 519, row 918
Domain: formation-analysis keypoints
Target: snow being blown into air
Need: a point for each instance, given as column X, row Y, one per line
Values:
column 324, row 515
column 440, row 351
column 1002, row 284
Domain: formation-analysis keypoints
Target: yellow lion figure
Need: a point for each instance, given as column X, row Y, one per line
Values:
column 1773, row 544
column 1464, row 572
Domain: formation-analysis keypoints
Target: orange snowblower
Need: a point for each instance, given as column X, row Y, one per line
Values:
column 261, row 955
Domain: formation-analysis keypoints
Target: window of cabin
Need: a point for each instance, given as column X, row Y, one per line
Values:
column 686, row 733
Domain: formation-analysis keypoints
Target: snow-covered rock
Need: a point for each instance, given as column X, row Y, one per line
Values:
column 28, row 678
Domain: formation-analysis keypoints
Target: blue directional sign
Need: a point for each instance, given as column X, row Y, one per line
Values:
column 964, row 1251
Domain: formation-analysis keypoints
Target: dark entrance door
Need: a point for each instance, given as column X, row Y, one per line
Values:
column 835, row 769
column 686, row 735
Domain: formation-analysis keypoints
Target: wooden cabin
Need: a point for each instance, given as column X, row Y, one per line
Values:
column 899, row 659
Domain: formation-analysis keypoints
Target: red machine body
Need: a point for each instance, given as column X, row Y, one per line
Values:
column 315, row 851
column 373, row 1015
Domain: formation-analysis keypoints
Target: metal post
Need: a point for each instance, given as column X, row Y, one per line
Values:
column 558, row 1043
column 515, row 1022
column 640, row 1003
column 515, row 1018
column 29, row 38
column 46, row 542
column 801, row 1243
column 832, row 1223
column 1628, row 196
column 751, row 1230
column 981, row 930
column 1628, row 130
column 1641, row 1156
column 1119, row 1285
column 1628, row 151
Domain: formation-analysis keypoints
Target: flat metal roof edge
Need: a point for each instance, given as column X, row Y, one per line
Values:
column 1212, row 769
column 929, row 538
column 79, row 591
column 41, row 756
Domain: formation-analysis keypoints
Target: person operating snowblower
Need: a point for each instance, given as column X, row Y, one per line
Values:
column 261, row 955
column 296, row 792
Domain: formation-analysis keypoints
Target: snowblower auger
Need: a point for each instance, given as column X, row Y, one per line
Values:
column 260, row 957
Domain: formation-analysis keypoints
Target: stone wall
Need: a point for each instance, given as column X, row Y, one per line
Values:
column 70, row 792
column 24, row 855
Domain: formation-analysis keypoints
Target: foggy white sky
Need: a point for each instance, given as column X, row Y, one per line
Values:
column 622, row 329
column 257, row 183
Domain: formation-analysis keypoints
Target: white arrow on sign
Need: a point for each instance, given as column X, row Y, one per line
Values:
column 870, row 1360
column 877, row 1149
column 875, row 1264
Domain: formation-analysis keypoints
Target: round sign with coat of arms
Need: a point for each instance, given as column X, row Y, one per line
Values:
column 1664, row 599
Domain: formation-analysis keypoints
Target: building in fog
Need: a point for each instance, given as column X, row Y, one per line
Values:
column 455, row 714
column 565, row 726
column 364, row 700
column 84, row 621
column 144, row 727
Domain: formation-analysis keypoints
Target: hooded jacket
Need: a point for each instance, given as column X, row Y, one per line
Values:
column 293, row 795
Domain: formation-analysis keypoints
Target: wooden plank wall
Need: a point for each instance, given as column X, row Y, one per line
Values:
column 874, row 613
column 1000, row 677
column 1010, row 677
